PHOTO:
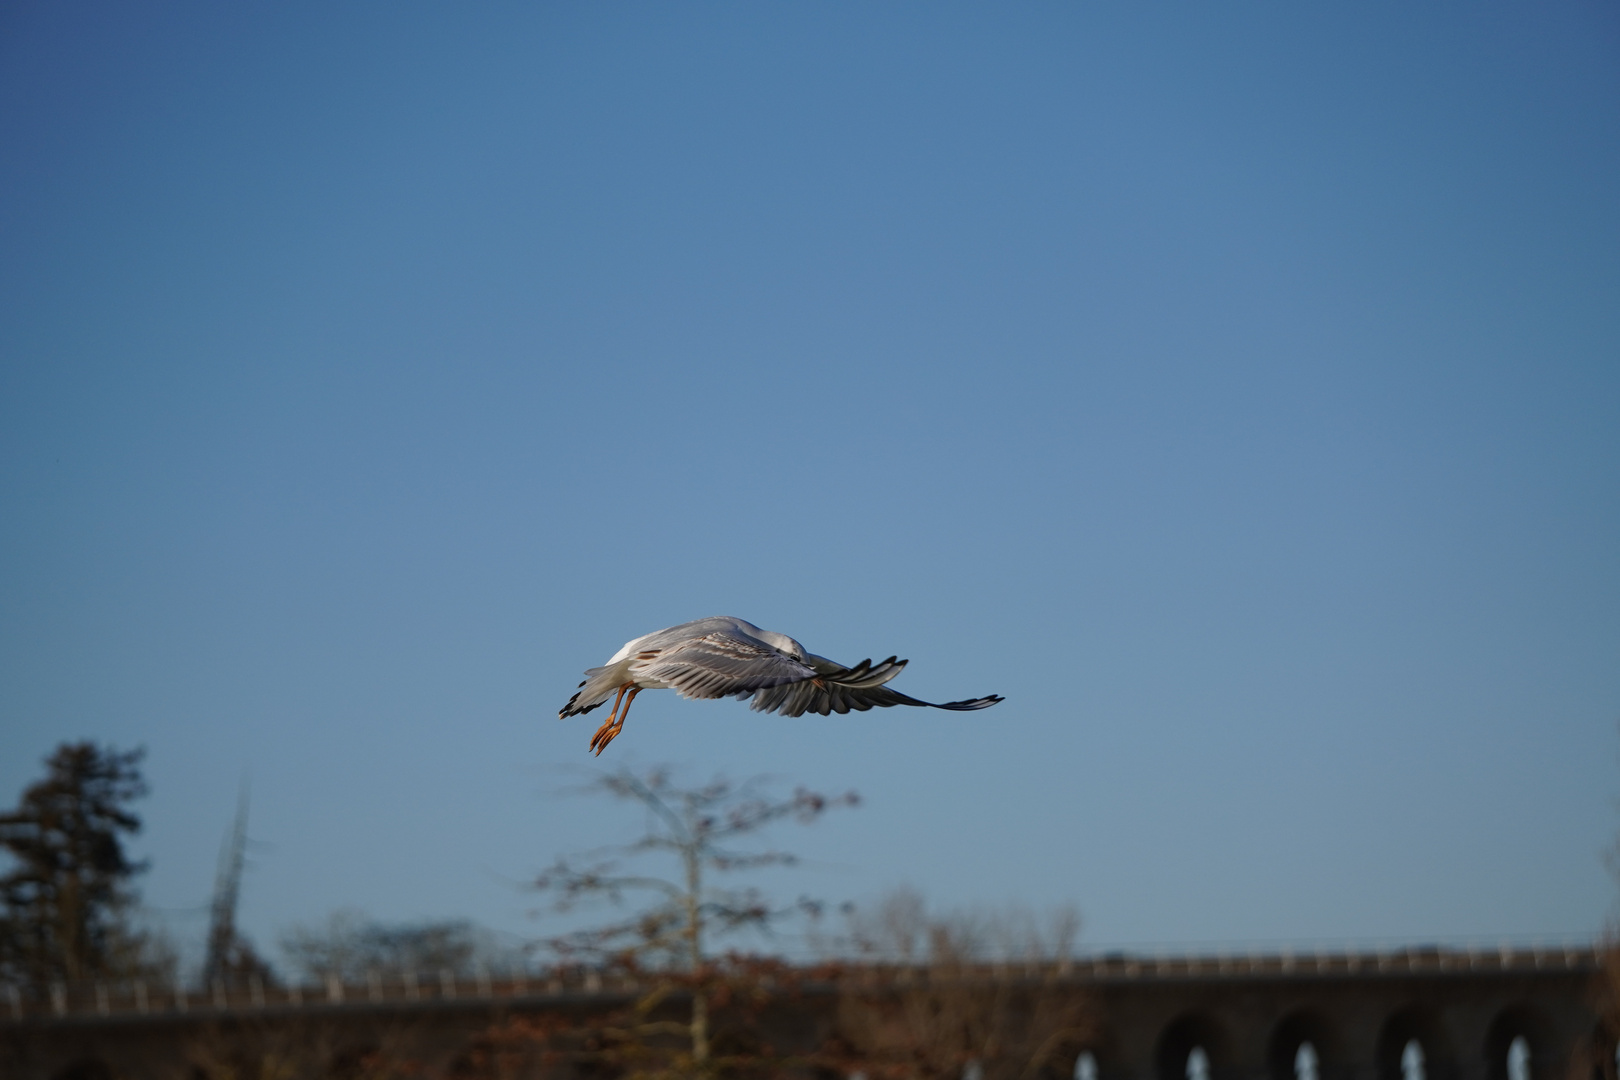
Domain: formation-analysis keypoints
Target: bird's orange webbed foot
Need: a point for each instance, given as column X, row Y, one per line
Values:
column 604, row 735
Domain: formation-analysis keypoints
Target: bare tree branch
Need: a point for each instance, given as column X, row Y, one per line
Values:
column 696, row 828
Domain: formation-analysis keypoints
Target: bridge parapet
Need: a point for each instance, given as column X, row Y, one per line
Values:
column 1515, row 1013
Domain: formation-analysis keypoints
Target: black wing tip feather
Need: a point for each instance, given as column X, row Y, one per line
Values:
column 972, row 704
column 866, row 665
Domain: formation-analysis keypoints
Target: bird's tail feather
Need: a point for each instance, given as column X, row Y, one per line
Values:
column 598, row 684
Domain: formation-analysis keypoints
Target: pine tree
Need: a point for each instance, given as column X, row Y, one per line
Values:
column 64, row 903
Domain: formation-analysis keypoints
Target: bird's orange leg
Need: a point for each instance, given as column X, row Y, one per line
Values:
column 612, row 716
column 613, row 727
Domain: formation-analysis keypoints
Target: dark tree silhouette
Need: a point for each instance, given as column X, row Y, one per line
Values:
column 351, row 946
column 64, row 902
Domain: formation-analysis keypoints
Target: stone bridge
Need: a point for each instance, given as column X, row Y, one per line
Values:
column 1413, row 1014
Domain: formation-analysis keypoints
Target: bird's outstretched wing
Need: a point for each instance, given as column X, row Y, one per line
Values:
column 720, row 664
column 858, row 688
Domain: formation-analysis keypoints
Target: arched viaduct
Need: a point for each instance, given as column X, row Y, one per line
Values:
column 1470, row 1015
column 1358, row 1014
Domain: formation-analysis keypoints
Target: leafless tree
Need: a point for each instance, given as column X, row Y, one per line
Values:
column 677, row 909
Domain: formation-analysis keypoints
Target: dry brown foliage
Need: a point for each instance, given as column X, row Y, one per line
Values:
column 649, row 1038
column 933, row 1019
column 310, row 1049
column 1594, row 1058
column 930, row 1024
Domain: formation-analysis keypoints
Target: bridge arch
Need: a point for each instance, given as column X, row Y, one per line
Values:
column 1526, row 1022
column 1292, row 1033
column 1092, row 1057
column 1420, row 1025
column 1187, row 1036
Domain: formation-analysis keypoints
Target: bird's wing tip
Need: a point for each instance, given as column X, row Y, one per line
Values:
column 972, row 704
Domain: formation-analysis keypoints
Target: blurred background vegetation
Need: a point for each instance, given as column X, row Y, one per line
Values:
column 674, row 911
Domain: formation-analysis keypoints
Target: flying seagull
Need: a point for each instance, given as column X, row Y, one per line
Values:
column 726, row 657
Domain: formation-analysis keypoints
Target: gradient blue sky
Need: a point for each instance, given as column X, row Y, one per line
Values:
column 1234, row 387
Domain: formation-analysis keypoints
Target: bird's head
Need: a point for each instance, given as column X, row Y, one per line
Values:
column 782, row 643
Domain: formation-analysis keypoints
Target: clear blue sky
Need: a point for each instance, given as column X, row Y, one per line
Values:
column 1236, row 388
